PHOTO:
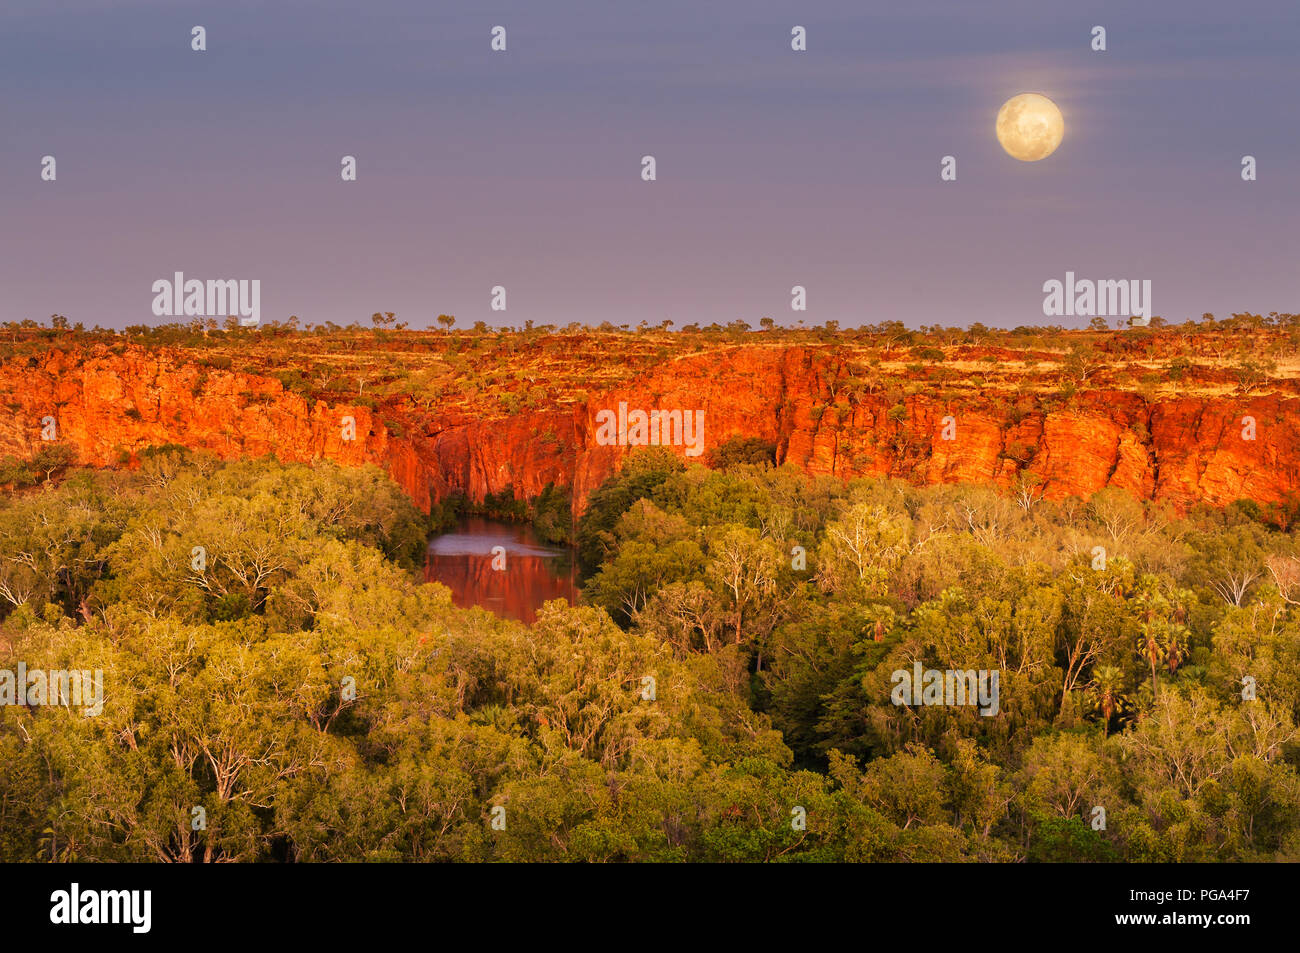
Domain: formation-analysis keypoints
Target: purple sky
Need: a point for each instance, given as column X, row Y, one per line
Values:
column 522, row 168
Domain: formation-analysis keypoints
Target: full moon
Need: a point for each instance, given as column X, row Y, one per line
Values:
column 1030, row 127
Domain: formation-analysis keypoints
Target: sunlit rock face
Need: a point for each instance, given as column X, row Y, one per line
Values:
column 109, row 406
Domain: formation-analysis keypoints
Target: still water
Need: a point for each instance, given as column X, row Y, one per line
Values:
column 534, row 572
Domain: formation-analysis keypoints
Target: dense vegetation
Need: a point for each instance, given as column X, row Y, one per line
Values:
column 770, row 610
column 550, row 512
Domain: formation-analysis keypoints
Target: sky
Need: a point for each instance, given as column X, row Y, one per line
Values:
column 522, row 169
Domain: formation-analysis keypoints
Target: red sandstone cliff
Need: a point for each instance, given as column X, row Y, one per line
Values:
column 111, row 405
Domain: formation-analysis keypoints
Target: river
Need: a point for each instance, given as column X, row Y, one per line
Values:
column 533, row 573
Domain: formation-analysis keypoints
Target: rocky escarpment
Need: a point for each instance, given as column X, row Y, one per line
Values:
column 1182, row 451
column 806, row 401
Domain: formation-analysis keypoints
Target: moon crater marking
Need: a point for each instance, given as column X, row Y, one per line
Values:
column 1030, row 127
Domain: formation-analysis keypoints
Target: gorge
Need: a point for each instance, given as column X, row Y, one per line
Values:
column 444, row 415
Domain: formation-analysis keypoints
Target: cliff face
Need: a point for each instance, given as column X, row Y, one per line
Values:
column 1181, row 451
column 109, row 406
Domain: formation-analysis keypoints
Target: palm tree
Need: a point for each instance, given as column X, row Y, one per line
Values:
column 1150, row 646
column 1106, row 692
column 1174, row 645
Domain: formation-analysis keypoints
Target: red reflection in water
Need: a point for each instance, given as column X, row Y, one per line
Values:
column 462, row 561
